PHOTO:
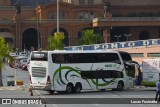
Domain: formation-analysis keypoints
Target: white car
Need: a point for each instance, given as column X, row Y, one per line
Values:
column 23, row 54
column 23, row 62
column 13, row 54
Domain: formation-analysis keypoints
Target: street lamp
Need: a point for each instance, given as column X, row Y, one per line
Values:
column 127, row 36
column 38, row 26
column 117, row 37
column 57, row 15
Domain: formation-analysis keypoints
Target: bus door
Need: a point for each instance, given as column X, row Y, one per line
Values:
column 130, row 75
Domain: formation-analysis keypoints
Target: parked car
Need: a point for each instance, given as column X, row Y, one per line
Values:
column 26, row 66
column 13, row 54
column 23, row 62
column 23, row 54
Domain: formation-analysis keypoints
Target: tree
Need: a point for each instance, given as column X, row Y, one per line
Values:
column 5, row 50
column 88, row 37
column 56, row 41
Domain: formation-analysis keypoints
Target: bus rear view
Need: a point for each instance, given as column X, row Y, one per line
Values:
column 38, row 71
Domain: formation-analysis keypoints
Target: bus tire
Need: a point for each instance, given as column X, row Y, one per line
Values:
column 102, row 90
column 78, row 88
column 120, row 86
column 51, row 91
column 69, row 88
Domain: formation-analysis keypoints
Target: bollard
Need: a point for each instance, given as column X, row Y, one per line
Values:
column 30, row 90
column 45, row 104
column 31, row 93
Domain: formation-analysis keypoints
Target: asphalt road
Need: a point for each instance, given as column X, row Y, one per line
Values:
column 83, row 99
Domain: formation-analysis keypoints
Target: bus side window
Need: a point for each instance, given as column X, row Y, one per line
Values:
column 58, row 58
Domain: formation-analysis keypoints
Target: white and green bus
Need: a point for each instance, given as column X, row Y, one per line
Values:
column 73, row 71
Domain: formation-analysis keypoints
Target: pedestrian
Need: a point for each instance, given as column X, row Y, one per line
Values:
column 157, row 90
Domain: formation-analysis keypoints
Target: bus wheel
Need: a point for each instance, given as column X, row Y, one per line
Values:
column 51, row 91
column 120, row 86
column 103, row 90
column 78, row 88
column 69, row 88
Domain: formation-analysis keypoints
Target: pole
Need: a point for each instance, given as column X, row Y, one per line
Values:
column 37, row 25
column 57, row 15
column 117, row 37
column 127, row 36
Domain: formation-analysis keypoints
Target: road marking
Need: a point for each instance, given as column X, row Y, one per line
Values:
column 44, row 98
column 97, row 105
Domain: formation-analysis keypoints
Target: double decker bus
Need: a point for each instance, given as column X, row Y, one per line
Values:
column 73, row 71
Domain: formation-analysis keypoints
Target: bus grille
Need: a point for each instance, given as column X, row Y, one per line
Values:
column 38, row 71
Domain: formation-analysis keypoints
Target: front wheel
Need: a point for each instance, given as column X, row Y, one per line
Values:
column 69, row 88
column 51, row 91
column 120, row 86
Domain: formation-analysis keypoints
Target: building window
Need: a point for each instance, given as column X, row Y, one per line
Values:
column 81, row 1
column 91, row 15
column 144, row 35
column 153, row 54
column 90, row 2
column 137, row 55
column 86, row 16
column 80, row 15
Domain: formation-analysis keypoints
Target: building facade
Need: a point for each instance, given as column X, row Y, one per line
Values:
column 126, row 20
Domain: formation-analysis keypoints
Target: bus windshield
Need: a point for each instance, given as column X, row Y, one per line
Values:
column 39, row 56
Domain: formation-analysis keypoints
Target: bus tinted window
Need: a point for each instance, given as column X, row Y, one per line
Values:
column 101, row 74
column 125, row 56
column 39, row 56
column 58, row 58
column 85, row 58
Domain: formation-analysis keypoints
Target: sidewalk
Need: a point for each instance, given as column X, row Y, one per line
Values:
column 18, row 74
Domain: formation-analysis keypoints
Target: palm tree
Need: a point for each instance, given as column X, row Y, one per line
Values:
column 56, row 41
column 88, row 37
column 5, row 49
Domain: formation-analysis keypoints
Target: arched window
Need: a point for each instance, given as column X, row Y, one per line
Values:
column 90, row 2
column 81, row 1
column 144, row 35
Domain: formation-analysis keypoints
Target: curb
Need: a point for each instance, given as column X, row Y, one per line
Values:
column 13, row 88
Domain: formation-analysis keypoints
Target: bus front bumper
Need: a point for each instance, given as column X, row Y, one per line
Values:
column 40, row 87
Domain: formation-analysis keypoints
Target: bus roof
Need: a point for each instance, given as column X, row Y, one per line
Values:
column 82, row 51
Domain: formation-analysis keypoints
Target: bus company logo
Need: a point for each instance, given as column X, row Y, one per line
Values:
column 6, row 101
column 38, row 55
column 108, row 65
column 38, row 64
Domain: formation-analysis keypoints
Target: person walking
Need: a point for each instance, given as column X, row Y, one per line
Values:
column 158, row 90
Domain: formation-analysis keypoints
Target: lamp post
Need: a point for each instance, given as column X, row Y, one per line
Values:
column 117, row 37
column 127, row 36
column 17, row 18
column 57, row 15
column 38, row 26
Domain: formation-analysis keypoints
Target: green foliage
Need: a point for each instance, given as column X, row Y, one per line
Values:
column 149, row 84
column 5, row 50
column 88, row 37
column 56, row 41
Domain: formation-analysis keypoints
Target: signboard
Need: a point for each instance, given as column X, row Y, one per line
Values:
column 16, row 64
column 128, row 44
